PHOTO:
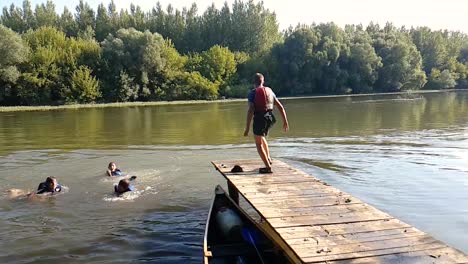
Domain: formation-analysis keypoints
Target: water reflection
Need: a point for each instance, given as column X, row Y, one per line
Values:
column 407, row 156
column 222, row 123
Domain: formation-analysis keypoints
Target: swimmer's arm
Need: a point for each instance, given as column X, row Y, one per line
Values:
column 131, row 178
column 109, row 173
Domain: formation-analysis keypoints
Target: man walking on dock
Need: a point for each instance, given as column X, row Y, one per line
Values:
column 261, row 101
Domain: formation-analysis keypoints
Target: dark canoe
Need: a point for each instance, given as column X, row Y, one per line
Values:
column 233, row 237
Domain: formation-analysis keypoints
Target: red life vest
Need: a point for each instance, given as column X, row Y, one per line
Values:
column 260, row 101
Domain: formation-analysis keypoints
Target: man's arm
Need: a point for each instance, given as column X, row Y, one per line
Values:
column 249, row 118
column 283, row 114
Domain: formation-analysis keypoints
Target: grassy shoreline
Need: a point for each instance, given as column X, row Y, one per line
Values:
column 126, row 104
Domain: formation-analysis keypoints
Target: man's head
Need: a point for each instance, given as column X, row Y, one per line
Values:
column 259, row 79
column 123, row 186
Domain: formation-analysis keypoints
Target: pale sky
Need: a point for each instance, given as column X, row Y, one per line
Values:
column 436, row 14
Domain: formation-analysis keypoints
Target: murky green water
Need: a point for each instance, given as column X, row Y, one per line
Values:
column 406, row 155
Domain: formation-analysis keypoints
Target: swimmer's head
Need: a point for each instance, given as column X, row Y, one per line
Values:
column 112, row 166
column 51, row 183
column 123, row 186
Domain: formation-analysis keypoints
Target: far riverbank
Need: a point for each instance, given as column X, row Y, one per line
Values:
column 133, row 104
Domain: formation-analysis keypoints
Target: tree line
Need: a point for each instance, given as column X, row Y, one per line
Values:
column 112, row 55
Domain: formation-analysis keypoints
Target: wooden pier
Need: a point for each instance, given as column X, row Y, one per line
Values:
column 317, row 223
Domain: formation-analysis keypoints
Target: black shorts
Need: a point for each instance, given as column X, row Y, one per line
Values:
column 262, row 122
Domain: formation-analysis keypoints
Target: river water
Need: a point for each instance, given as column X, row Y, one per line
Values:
column 404, row 154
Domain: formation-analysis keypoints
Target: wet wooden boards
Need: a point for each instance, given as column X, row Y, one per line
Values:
column 321, row 224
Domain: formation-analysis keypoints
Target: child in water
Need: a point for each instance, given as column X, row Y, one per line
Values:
column 112, row 170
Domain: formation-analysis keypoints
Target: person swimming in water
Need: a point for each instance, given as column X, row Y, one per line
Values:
column 49, row 186
column 112, row 170
column 124, row 186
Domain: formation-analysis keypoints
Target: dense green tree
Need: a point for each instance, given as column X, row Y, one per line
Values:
column 46, row 15
column 431, row 46
column 402, row 63
column 296, row 68
column 440, row 51
column 254, row 28
column 29, row 19
column 192, row 40
column 127, row 90
column 129, row 55
column 137, row 18
column 113, row 16
column 54, row 60
column 67, row 24
column 331, row 53
column 84, row 17
column 190, row 85
column 218, row 64
column 84, row 86
column 441, row 80
column 362, row 63
column 13, row 18
column 103, row 25
column 14, row 52
column 156, row 21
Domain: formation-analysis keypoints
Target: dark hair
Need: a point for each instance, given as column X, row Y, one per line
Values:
column 124, row 185
column 110, row 164
column 258, row 79
column 50, row 180
column 49, row 183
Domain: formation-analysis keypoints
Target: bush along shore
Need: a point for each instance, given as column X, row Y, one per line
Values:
column 165, row 54
column 404, row 95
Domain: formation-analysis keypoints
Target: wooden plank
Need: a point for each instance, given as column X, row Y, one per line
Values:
column 327, row 219
column 291, row 187
column 341, row 229
column 303, row 201
column 271, row 212
column 374, row 253
column 252, row 166
column 313, row 196
column 269, row 181
column 364, row 209
column 283, row 186
column 278, row 194
column 380, row 234
column 340, row 240
column 250, row 176
column 256, row 180
column 443, row 255
column 366, row 248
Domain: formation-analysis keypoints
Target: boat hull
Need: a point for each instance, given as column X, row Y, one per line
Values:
column 232, row 236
